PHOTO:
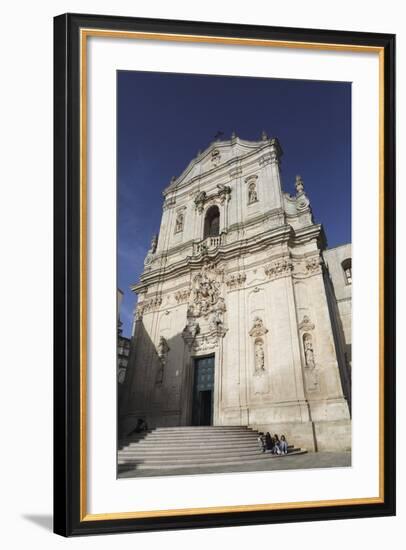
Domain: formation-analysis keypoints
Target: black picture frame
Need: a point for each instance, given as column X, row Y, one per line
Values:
column 69, row 519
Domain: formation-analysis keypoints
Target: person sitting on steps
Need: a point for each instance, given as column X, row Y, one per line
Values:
column 277, row 445
column 283, row 445
column 269, row 442
column 261, row 441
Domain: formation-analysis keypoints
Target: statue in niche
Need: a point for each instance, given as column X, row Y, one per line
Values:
column 259, row 357
column 252, row 192
column 179, row 223
column 308, row 351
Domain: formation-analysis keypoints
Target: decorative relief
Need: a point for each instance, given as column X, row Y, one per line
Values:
column 182, row 295
column 313, row 265
column 306, row 324
column 148, row 305
column 205, row 302
column 307, row 267
column 237, row 280
column 222, row 194
column 200, row 199
column 206, row 286
column 279, row 268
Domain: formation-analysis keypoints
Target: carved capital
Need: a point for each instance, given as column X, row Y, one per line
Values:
column 279, row 268
column 236, row 280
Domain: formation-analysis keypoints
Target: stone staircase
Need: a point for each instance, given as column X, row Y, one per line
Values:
column 191, row 447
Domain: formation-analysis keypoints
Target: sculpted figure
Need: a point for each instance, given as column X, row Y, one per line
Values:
column 252, row 193
column 259, row 356
column 309, row 353
column 179, row 223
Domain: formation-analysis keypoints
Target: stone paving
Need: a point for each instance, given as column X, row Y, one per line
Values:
column 295, row 462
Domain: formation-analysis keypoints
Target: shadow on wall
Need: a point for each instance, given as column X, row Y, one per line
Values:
column 157, row 384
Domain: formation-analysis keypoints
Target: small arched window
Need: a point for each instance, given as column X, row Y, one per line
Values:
column 212, row 222
column 347, row 268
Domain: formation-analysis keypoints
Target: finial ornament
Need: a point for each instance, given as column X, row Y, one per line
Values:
column 264, row 135
column 299, row 185
column 233, row 135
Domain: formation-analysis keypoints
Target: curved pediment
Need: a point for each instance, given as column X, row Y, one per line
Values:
column 217, row 155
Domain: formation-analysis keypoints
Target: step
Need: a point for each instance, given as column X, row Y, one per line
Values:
column 228, row 462
column 189, row 452
column 198, row 459
column 194, row 437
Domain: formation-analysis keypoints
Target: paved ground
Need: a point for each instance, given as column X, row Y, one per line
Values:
column 298, row 462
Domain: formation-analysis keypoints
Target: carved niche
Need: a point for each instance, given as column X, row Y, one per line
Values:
column 257, row 333
column 251, row 182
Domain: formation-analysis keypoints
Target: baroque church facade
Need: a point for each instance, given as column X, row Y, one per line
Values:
column 243, row 315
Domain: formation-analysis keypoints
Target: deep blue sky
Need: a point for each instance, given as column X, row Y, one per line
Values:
column 164, row 119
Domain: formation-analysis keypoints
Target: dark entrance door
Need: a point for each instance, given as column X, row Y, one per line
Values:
column 203, row 391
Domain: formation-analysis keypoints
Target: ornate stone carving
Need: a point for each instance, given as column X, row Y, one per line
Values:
column 313, row 265
column 224, row 192
column 148, row 305
column 206, row 288
column 205, row 301
column 258, row 328
column 236, row 280
column 279, row 268
column 306, row 324
column 182, row 295
column 200, row 199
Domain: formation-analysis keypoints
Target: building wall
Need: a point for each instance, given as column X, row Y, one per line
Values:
column 255, row 297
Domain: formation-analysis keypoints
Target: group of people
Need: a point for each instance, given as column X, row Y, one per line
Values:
column 272, row 444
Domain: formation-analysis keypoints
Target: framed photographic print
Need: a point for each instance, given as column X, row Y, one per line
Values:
column 224, row 254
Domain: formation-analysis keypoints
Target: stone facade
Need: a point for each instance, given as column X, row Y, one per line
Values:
column 238, row 272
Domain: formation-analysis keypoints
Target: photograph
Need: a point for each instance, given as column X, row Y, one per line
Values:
column 234, row 274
